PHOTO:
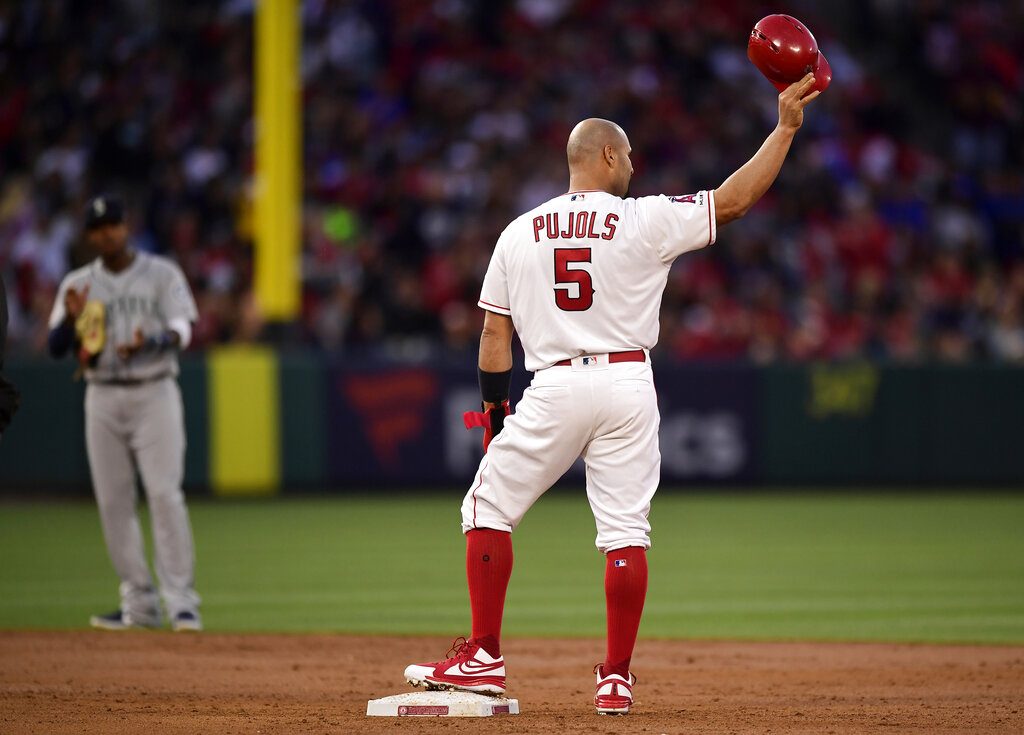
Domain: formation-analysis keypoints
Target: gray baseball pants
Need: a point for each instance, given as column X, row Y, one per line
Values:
column 142, row 426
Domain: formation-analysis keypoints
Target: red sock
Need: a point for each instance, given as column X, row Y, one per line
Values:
column 625, row 587
column 488, row 568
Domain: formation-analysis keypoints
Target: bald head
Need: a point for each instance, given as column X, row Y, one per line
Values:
column 598, row 154
column 588, row 139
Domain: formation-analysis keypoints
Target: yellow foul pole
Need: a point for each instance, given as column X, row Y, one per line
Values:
column 278, row 159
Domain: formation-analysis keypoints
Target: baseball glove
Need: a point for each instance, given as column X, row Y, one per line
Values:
column 90, row 331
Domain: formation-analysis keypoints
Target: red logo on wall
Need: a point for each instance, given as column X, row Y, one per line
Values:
column 392, row 406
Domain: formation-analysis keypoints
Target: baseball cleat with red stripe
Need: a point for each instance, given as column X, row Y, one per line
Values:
column 614, row 694
column 467, row 668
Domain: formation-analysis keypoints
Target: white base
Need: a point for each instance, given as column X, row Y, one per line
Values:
column 441, row 704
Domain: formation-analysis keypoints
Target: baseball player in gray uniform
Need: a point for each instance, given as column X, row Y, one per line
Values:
column 127, row 314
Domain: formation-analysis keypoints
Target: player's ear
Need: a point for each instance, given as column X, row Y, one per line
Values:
column 609, row 155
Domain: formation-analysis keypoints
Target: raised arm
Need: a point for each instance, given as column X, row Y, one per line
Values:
column 740, row 192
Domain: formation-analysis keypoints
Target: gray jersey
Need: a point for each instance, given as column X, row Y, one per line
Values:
column 148, row 295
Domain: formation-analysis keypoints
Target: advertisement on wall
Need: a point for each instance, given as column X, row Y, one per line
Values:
column 338, row 426
column 404, row 426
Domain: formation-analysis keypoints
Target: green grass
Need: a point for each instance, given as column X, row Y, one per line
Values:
column 766, row 566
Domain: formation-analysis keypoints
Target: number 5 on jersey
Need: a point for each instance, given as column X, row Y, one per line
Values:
column 569, row 272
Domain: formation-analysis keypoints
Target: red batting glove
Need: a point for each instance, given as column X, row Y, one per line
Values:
column 492, row 420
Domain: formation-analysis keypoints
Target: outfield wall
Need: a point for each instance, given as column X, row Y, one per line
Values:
column 259, row 421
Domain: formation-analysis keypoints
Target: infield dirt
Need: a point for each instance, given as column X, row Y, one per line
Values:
column 85, row 682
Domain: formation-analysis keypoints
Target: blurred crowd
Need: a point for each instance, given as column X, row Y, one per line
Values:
column 896, row 230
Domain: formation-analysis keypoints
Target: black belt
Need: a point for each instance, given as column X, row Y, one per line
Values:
column 131, row 382
column 629, row 356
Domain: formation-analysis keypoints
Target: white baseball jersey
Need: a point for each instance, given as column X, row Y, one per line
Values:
column 582, row 276
column 584, row 272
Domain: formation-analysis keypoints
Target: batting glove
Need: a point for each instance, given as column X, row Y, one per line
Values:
column 492, row 420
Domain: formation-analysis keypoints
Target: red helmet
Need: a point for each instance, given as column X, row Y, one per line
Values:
column 784, row 50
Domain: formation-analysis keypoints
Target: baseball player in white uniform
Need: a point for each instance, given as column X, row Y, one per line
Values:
column 127, row 314
column 580, row 278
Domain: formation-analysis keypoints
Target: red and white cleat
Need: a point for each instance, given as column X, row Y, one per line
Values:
column 467, row 668
column 614, row 694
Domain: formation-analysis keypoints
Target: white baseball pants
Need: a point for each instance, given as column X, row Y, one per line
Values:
column 606, row 413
